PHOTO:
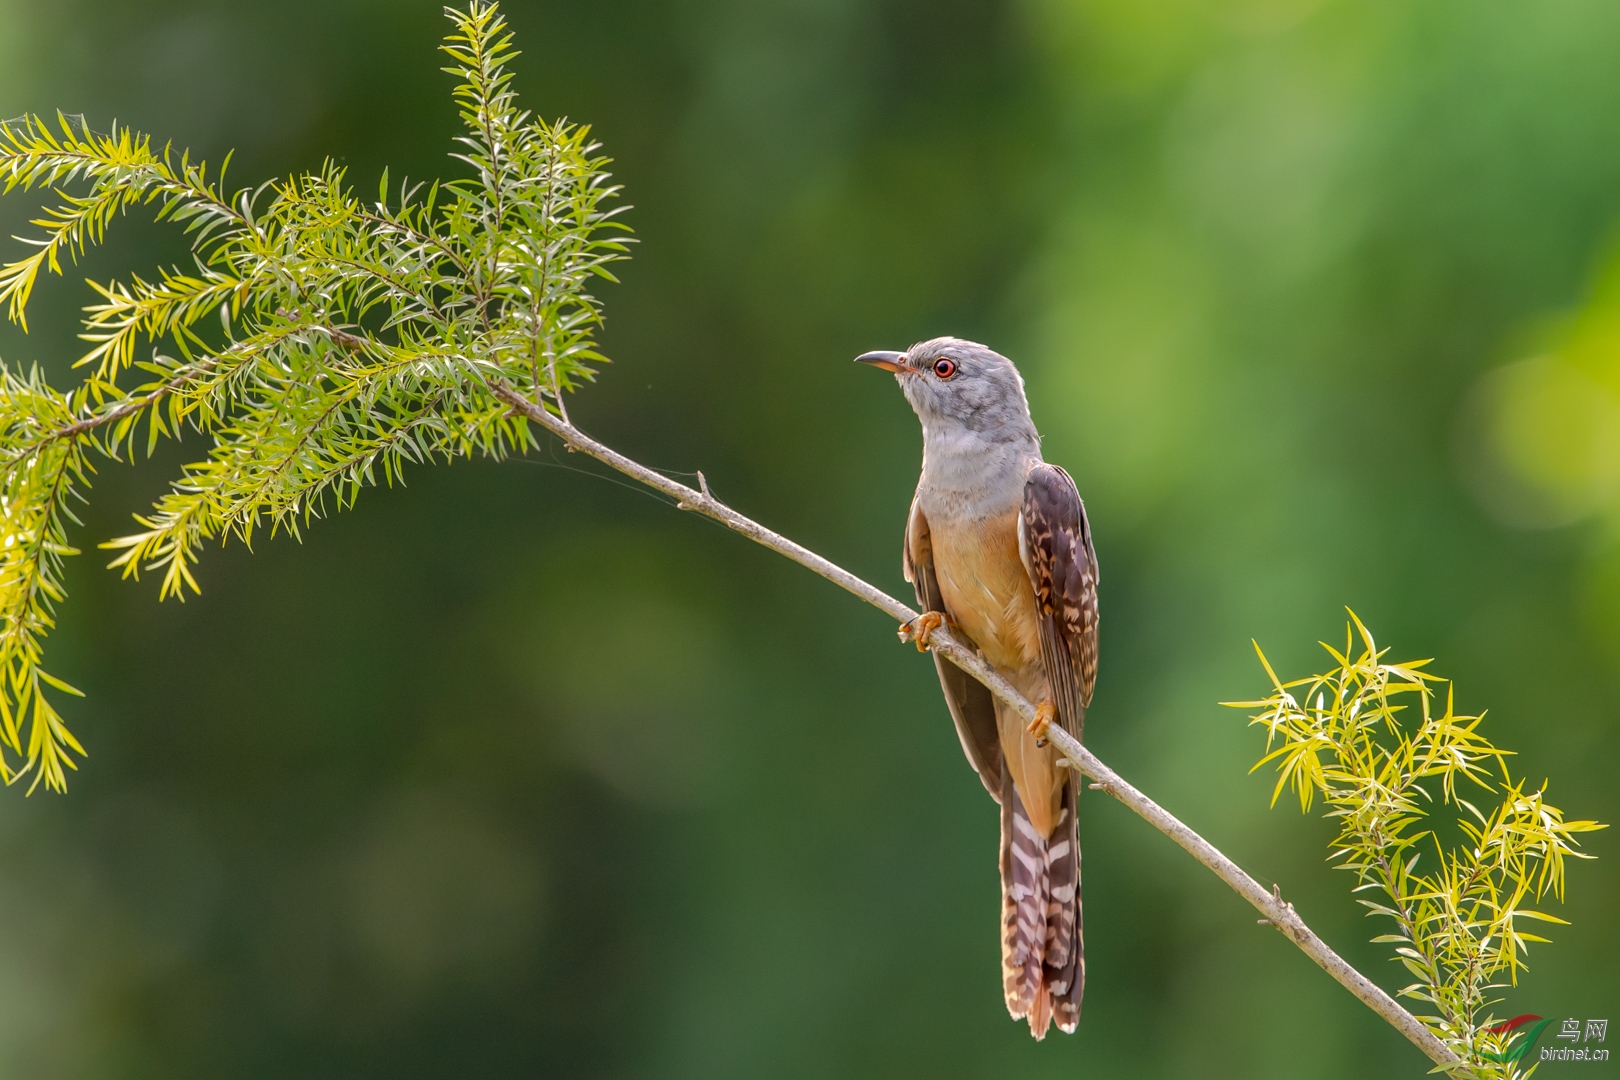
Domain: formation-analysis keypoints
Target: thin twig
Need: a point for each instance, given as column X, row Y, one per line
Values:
column 1277, row 912
column 90, row 423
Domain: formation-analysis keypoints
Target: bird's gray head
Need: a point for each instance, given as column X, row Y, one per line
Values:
column 960, row 389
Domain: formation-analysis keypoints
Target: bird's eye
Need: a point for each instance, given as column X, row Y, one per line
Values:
column 944, row 367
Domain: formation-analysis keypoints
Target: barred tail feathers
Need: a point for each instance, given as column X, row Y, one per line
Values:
column 1042, row 946
column 1066, row 940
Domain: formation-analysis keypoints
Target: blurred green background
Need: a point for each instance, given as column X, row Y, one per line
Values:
column 516, row 772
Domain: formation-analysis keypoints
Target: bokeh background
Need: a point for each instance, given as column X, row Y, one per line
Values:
column 516, row 772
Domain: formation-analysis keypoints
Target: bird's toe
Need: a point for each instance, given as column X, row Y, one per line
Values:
column 919, row 629
column 1045, row 712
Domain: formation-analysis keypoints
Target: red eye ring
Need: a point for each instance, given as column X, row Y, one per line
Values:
column 944, row 367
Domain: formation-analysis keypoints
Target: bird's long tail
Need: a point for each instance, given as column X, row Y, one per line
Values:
column 1043, row 961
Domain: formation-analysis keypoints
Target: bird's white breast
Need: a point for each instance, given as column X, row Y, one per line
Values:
column 966, row 477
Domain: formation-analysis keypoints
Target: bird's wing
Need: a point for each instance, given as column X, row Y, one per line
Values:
column 1054, row 539
column 972, row 706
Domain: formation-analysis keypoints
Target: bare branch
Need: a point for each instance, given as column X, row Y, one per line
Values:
column 1277, row 912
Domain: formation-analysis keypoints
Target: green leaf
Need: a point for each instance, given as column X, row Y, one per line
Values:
column 353, row 339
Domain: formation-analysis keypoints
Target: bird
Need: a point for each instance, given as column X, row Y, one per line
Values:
column 998, row 547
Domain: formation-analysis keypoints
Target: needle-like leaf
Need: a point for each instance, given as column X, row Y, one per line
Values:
column 1455, row 924
column 353, row 340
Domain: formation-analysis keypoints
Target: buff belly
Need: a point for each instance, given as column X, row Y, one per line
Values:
column 987, row 592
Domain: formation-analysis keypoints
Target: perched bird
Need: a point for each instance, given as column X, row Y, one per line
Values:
column 997, row 545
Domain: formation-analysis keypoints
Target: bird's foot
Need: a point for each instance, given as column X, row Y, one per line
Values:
column 918, row 629
column 1045, row 712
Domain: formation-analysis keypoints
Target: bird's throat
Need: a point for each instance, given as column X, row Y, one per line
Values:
column 965, row 476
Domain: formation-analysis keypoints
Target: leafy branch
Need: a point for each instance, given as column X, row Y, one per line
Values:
column 356, row 338
column 448, row 321
column 1456, row 927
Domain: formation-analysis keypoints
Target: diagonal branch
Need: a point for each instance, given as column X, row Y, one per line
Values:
column 1277, row 912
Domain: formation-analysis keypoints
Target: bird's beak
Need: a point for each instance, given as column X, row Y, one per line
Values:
column 888, row 361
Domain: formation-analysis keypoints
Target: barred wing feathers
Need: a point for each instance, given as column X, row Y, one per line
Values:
column 1054, row 539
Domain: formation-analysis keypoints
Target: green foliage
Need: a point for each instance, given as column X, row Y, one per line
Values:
column 353, row 338
column 43, row 470
column 1381, row 773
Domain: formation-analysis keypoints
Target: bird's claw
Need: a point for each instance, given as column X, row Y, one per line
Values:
column 922, row 626
column 1044, row 714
